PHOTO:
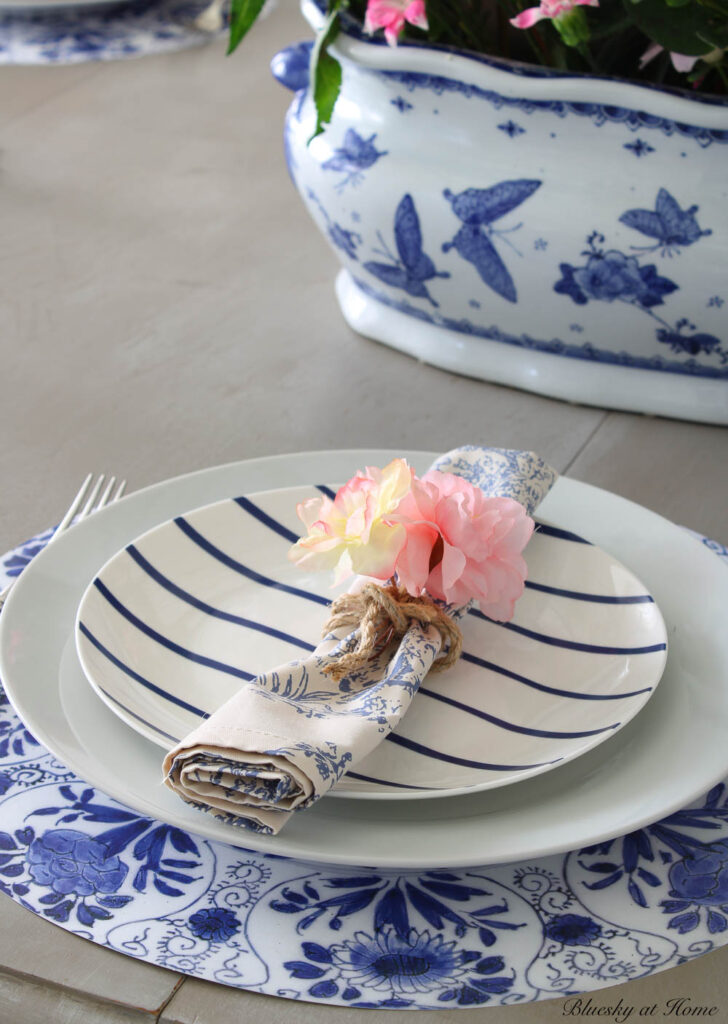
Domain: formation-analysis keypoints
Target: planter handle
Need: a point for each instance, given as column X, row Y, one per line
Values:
column 290, row 66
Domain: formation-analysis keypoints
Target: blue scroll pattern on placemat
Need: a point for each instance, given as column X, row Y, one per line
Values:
column 553, row 926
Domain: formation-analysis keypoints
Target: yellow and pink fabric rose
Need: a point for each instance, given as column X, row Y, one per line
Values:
column 438, row 534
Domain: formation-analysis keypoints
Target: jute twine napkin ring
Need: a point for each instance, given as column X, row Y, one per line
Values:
column 383, row 614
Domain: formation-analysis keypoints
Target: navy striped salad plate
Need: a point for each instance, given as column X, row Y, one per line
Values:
column 179, row 619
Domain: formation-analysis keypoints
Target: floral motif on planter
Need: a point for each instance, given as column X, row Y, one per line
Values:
column 613, row 275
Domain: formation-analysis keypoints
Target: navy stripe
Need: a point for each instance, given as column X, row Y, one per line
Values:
column 238, row 567
column 135, row 675
column 238, row 620
column 163, row 641
column 578, row 595
column 555, row 531
column 419, row 748
column 474, row 660
column 544, row 733
column 289, row 535
column 267, row 520
column 384, row 782
column 569, row 645
column 133, row 714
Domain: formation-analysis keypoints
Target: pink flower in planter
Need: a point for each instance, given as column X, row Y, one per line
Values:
column 682, row 62
column 391, row 16
column 549, row 9
column 462, row 545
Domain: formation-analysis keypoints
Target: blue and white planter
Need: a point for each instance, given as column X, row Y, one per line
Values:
column 561, row 233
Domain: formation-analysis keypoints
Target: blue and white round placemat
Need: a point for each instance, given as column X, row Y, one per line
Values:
column 72, row 35
column 514, row 933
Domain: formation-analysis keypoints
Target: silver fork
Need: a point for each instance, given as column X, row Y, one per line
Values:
column 90, row 498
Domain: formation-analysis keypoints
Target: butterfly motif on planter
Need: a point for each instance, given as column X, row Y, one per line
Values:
column 355, row 156
column 413, row 266
column 478, row 209
column 668, row 223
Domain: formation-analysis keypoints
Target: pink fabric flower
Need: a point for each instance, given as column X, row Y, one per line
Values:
column 352, row 533
column 391, row 16
column 549, row 9
column 462, row 545
column 439, row 534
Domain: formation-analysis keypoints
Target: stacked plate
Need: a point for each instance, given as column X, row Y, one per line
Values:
column 532, row 745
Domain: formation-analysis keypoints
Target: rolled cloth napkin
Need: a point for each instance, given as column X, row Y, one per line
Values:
column 290, row 734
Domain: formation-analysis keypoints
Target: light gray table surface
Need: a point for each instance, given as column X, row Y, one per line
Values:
column 167, row 305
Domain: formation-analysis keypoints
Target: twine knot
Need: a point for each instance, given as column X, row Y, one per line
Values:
column 383, row 614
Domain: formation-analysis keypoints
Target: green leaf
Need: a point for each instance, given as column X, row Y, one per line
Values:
column 715, row 36
column 325, row 71
column 677, row 3
column 678, row 29
column 243, row 14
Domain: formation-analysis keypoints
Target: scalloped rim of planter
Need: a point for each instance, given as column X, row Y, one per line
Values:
column 525, row 82
column 573, row 380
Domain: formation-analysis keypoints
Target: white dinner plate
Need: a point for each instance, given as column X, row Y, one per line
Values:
column 178, row 620
column 670, row 753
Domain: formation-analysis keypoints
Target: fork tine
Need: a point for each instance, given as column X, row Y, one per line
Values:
column 91, row 498
column 104, row 499
column 88, row 509
column 74, row 506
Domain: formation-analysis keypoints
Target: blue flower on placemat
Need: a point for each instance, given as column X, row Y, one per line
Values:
column 700, row 880
column 70, row 862
column 14, row 737
column 392, row 954
column 216, row 924
column 399, row 966
column 418, row 962
column 573, row 930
